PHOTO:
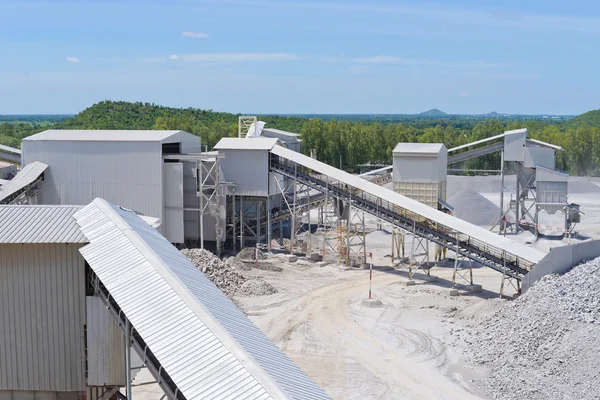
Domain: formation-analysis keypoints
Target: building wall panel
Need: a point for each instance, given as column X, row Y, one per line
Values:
column 249, row 169
column 105, row 346
column 419, row 169
column 42, row 317
column 128, row 174
column 173, row 192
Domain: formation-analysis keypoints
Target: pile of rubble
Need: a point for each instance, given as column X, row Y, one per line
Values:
column 249, row 253
column 545, row 344
column 224, row 276
column 256, row 287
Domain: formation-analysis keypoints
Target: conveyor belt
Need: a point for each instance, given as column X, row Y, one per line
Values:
column 474, row 242
column 23, row 183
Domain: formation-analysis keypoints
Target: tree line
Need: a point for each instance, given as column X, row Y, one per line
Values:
column 345, row 142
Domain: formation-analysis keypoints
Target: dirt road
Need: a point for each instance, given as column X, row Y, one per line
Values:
column 356, row 352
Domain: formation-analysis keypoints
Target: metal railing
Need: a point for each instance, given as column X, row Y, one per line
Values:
column 465, row 245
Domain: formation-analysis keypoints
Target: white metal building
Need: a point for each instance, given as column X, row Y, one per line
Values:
column 127, row 167
column 45, row 313
column 420, row 171
column 7, row 170
column 291, row 140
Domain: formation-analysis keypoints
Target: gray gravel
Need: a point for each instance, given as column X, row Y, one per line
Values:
column 224, row 276
column 256, row 287
column 249, row 253
column 472, row 207
column 545, row 344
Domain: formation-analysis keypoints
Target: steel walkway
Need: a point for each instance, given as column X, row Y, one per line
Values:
column 491, row 250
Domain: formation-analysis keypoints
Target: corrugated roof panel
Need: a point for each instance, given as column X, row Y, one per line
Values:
column 510, row 246
column 24, row 177
column 418, row 148
column 253, row 143
column 83, row 135
column 203, row 341
column 39, row 224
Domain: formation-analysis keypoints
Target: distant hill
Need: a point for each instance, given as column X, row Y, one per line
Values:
column 591, row 118
column 433, row 113
column 493, row 114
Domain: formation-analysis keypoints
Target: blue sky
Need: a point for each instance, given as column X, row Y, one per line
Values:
column 268, row 56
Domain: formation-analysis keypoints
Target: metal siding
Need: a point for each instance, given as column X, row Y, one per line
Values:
column 539, row 157
column 129, row 258
column 173, row 192
column 39, row 224
column 510, row 246
column 248, row 169
column 105, row 346
column 42, row 315
column 189, row 143
column 125, row 173
column 514, row 145
column 253, row 143
column 416, row 169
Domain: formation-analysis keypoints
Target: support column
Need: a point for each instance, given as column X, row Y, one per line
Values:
column 234, row 213
column 269, row 229
column 258, row 210
column 241, row 223
column 293, row 232
column 502, row 215
column 128, row 357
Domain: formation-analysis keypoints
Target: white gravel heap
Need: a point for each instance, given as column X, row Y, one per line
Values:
column 472, row 207
column 225, row 277
column 256, row 287
column 545, row 344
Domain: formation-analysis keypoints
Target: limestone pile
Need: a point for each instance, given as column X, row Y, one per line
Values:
column 472, row 207
column 545, row 344
column 224, row 276
column 256, row 287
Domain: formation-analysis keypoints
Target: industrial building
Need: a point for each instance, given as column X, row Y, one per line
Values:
column 75, row 279
column 94, row 217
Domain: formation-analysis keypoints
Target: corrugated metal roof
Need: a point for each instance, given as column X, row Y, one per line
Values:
column 9, row 149
column 253, row 143
column 418, row 148
column 39, row 224
column 209, row 348
column 24, row 177
column 287, row 134
column 102, row 135
column 510, row 246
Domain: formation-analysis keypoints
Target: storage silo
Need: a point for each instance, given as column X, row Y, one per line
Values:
column 420, row 172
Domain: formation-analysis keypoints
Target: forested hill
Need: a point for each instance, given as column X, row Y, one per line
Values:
column 590, row 118
column 352, row 142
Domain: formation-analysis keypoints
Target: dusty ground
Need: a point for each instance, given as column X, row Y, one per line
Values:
column 412, row 347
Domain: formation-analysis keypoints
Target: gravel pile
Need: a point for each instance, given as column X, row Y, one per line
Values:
column 224, row 276
column 472, row 207
column 545, row 344
column 249, row 253
column 256, row 287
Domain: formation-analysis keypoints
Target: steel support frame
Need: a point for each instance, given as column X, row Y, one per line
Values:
column 353, row 237
column 244, row 124
column 464, row 273
column 419, row 254
column 246, row 214
column 478, row 254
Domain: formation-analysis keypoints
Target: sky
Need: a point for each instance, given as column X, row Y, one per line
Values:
column 302, row 56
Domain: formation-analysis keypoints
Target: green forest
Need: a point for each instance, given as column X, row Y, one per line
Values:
column 336, row 141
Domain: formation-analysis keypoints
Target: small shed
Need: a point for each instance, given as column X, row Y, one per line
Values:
column 7, row 170
column 291, row 140
column 420, row 171
column 246, row 163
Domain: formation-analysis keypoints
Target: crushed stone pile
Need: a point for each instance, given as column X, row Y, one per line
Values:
column 249, row 253
column 472, row 207
column 545, row 344
column 224, row 276
column 256, row 287
column 237, row 264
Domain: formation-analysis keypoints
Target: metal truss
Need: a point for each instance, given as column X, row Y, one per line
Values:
column 244, row 124
column 463, row 268
column 352, row 238
column 419, row 254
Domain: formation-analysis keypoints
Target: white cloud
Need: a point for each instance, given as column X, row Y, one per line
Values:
column 379, row 59
column 463, row 94
column 74, row 60
column 196, row 35
column 235, row 57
